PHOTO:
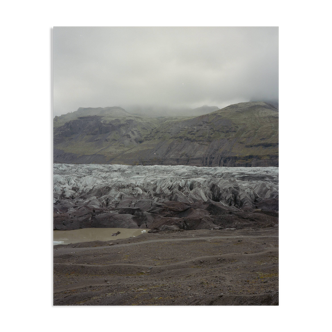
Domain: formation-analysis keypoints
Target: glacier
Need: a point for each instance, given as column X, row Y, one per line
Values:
column 164, row 197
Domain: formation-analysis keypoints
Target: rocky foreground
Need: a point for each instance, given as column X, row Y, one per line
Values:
column 195, row 267
column 164, row 197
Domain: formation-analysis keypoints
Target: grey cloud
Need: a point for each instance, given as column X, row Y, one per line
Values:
column 190, row 67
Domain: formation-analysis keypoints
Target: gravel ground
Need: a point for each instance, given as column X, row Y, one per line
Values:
column 197, row 267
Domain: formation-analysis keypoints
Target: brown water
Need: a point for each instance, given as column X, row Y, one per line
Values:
column 94, row 234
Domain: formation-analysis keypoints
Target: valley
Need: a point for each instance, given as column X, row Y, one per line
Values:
column 174, row 210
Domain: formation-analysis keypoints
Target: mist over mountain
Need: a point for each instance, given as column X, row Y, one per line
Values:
column 174, row 134
column 162, row 111
column 274, row 102
column 204, row 110
column 244, row 134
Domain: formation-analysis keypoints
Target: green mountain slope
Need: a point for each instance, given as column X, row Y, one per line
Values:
column 244, row 134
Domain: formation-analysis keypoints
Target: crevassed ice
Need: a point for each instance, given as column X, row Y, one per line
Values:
column 163, row 182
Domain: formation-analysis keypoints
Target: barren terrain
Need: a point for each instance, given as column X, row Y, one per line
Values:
column 193, row 267
column 243, row 134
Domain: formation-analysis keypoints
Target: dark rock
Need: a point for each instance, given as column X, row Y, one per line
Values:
column 114, row 221
column 144, row 204
column 169, row 228
column 268, row 204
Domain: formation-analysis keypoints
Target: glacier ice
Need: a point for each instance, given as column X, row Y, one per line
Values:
column 107, row 188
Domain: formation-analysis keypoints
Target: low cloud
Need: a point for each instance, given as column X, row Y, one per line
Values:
column 177, row 67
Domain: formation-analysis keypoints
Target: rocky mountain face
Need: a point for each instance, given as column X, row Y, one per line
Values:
column 203, row 110
column 272, row 102
column 244, row 134
column 164, row 197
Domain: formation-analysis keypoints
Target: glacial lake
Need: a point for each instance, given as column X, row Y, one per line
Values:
column 94, row 234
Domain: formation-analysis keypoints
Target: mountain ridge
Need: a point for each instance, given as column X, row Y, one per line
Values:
column 244, row 134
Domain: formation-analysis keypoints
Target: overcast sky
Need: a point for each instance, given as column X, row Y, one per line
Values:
column 177, row 67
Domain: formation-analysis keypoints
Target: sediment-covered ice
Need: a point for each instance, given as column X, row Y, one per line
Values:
column 179, row 183
column 109, row 188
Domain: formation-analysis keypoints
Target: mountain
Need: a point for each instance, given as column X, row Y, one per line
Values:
column 89, row 111
column 162, row 111
column 244, row 134
column 272, row 102
column 204, row 110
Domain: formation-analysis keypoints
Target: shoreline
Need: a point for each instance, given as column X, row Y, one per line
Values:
column 95, row 234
